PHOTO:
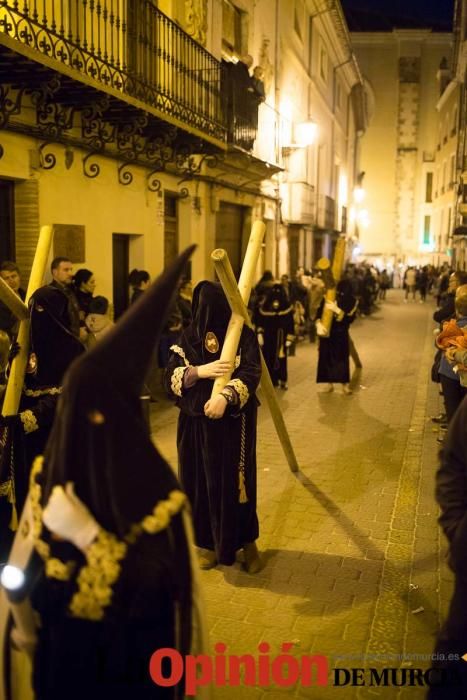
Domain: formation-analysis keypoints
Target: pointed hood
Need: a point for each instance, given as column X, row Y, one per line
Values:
column 99, row 439
column 135, row 335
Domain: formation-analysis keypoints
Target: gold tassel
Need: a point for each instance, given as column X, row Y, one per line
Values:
column 14, row 518
column 242, row 498
column 7, row 490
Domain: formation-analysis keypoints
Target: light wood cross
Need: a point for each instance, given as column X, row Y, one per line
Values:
column 331, row 276
column 20, row 670
column 238, row 296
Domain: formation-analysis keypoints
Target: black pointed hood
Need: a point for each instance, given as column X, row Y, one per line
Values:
column 138, row 330
column 99, row 439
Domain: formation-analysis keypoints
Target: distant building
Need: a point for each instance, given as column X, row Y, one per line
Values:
column 401, row 150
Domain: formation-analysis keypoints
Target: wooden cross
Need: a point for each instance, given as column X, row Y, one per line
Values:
column 238, row 296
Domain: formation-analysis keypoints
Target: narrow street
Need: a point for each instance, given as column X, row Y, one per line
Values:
column 354, row 561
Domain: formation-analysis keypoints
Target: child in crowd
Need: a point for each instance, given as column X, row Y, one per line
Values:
column 98, row 321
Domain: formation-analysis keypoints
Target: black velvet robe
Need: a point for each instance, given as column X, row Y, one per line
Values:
column 333, row 352
column 82, row 659
column 277, row 327
column 210, row 451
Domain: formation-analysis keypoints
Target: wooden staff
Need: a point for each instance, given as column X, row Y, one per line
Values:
column 13, row 301
column 245, row 283
column 331, row 276
column 18, row 366
column 23, row 543
column 238, row 306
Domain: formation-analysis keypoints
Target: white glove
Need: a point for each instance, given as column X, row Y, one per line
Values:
column 320, row 329
column 332, row 306
column 288, row 343
column 66, row 516
column 260, row 337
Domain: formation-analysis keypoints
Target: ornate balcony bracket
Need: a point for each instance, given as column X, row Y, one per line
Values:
column 47, row 160
column 95, row 130
column 92, row 170
column 125, row 176
column 184, row 193
column 9, row 106
column 191, row 168
column 152, row 182
column 129, row 140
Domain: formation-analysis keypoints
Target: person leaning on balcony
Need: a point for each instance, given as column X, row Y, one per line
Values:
column 257, row 95
column 216, row 437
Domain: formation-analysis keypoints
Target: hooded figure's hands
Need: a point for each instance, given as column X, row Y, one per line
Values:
column 66, row 516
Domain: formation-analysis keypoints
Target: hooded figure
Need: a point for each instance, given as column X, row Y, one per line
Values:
column 275, row 327
column 216, row 438
column 53, row 348
column 109, row 525
column 333, row 351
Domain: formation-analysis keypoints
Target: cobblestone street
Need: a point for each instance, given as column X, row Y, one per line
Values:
column 351, row 544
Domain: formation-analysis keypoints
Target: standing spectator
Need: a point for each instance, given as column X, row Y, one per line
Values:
column 384, row 285
column 139, row 281
column 333, row 351
column 410, row 283
column 447, row 309
column 61, row 296
column 275, row 327
column 453, row 391
column 451, row 494
column 442, row 286
column 9, row 272
column 422, row 284
column 216, row 437
column 84, row 285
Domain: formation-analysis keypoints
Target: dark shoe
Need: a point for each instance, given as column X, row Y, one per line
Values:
column 358, row 365
column 283, row 385
column 207, row 559
column 253, row 562
column 441, row 418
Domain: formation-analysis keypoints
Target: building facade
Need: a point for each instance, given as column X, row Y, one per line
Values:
column 401, row 152
column 125, row 125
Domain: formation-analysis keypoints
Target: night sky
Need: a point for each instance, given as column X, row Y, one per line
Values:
column 384, row 14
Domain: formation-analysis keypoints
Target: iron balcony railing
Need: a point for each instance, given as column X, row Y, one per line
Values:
column 128, row 45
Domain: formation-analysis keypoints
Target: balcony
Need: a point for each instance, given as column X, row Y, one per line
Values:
column 326, row 212
column 129, row 50
column 297, row 202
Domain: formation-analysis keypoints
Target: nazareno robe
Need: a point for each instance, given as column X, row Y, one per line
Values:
column 104, row 612
column 274, row 319
column 333, row 352
column 217, row 458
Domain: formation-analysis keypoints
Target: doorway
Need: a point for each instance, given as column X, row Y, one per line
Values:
column 120, row 263
column 7, row 220
column 229, row 233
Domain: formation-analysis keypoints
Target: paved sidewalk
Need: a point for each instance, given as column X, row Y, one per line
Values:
column 351, row 544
